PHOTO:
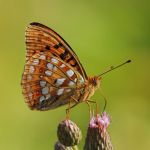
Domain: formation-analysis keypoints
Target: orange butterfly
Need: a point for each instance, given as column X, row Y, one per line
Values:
column 53, row 75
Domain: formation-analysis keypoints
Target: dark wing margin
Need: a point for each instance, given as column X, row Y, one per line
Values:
column 40, row 38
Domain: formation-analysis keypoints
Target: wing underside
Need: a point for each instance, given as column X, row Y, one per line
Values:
column 41, row 38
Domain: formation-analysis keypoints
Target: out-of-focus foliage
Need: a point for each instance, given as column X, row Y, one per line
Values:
column 102, row 33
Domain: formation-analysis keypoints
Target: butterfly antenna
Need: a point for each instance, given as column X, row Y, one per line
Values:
column 105, row 104
column 112, row 67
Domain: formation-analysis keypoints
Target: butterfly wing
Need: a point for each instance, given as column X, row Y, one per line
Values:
column 48, row 82
column 40, row 38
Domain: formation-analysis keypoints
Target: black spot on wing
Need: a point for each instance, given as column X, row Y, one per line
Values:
column 63, row 55
column 71, row 58
column 73, row 65
column 47, row 47
column 58, row 46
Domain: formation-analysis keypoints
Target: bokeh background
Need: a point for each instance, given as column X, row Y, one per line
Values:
column 102, row 33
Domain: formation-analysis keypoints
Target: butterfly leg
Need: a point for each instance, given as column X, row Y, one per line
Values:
column 92, row 101
column 68, row 111
column 90, row 111
column 70, row 107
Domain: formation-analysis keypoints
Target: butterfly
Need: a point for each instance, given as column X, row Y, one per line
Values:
column 53, row 75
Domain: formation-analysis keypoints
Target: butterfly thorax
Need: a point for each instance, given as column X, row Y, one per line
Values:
column 91, row 85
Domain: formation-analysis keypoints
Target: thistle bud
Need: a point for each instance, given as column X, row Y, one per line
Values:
column 59, row 146
column 97, row 135
column 69, row 133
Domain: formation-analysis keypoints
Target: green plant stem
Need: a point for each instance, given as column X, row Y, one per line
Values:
column 74, row 147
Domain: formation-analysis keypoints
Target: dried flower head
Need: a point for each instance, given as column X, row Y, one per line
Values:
column 69, row 133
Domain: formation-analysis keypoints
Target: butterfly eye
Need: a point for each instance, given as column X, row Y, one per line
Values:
column 94, row 81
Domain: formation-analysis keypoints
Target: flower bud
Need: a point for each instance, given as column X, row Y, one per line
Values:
column 59, row 146
column 69, row 133
column 97, row 135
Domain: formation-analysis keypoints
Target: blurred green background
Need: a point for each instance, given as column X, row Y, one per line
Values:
column 102, row 33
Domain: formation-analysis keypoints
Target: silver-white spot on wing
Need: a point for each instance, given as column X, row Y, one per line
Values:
column 62, row 65
column 54, row 60
column 43, row 57
column 60, row 81
column 48, row 73
column 50, row 66
column 45, row 90
column 71, row 83
column 31, row 69
column 42, row 83
column 35, row 62
column 70, row 73
column 42, row 98
column 60, row 91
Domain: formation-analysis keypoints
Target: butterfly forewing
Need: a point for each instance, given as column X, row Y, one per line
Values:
column 40, row 38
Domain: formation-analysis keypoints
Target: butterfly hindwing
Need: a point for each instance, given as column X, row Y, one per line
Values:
column 48, row 82
column 40, row 38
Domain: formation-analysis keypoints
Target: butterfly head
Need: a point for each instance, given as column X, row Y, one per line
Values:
column 95, row 81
